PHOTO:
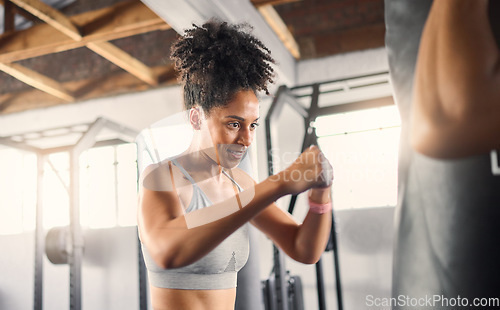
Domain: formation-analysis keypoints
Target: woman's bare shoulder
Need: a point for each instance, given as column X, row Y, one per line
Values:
column 157, row 177
column 243, row 178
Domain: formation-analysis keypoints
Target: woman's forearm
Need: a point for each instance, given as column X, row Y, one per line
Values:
column 314, row 232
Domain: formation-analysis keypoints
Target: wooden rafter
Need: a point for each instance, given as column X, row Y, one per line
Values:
column 121, row 20
column 63, row 24
column 19, row 11
column 279, row 27
column 125, row 61
column 86, row 89
column 258, row 3
column 8, row 16
column 36, row 80
column 51, row 16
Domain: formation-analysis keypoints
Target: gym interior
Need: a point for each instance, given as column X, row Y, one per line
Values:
column 82, row 81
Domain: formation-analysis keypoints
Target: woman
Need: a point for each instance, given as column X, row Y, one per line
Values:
column 194, row 208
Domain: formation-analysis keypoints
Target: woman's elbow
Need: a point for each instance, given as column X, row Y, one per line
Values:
column 307, row 257
column 165, row 256
column 161, row 258
column 309, row 260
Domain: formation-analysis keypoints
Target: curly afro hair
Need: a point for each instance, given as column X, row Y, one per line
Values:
column 217, row 60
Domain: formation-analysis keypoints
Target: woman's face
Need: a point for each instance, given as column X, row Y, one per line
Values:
column 231, row 129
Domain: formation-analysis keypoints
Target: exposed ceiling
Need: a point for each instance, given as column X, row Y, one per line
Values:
column 62, row 51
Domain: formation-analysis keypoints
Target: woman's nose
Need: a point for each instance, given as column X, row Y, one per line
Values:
column 245, row 137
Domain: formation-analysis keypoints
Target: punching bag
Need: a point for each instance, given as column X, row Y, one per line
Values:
column 447, row 249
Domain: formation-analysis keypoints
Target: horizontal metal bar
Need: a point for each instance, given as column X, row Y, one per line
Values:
column 66, row 148
column 355, row 106
column 7, row 141
column 129, row 133
column 342, row 80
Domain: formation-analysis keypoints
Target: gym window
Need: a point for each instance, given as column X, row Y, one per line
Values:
column 108, row 188
column 17, row 191
column 363, row 148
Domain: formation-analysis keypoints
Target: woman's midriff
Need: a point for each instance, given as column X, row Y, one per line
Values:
column 171, row 299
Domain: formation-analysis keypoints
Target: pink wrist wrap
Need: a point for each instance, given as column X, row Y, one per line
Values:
column 319, row 208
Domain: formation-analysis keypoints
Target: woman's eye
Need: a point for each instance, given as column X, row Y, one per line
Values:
column 234, row 125
column 254, row 125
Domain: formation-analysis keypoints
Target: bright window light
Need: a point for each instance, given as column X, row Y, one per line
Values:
column 17, row 191
column 163, row 139
column 127, row 185
column 98, row 184
column 108, row 189
column 56, row 191
column 109, row 186
column 363, row 149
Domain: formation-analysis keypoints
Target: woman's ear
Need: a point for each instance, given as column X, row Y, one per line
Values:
column 195, row 116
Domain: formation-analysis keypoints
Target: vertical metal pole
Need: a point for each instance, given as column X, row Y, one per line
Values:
column 279, row 263
column 336, row 264
column 280, row 279
column 39, row 236
column 320, row 286
column 9, row 15
column 309, row 139
column 75, row 256
column 143, row 283
column 115, row 168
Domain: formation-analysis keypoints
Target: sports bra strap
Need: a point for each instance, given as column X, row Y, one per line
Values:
column 232, row 180
column 184, row 172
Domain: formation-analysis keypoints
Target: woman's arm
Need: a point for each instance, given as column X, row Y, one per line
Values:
column 456, row 103
column 164, row 228
column 303, row 242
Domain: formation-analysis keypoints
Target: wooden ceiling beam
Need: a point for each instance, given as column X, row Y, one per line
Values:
column 279, row 27
column 258, row 3
column 8, row 16
column 37, row 80
column 110, row 85
column 19, row 11
column 51, row 16
column 121, row 20
column 107, row 50
column 125, row 61
column 181, row 14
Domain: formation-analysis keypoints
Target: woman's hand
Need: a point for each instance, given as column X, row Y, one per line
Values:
column 310, row 170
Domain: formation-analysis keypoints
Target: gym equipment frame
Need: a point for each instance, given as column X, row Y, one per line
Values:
column 364, row 88
column 73, row 253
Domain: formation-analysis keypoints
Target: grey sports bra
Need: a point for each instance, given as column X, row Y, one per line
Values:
column 216, row 270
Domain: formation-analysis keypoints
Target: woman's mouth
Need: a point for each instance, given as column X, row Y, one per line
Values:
column 236, row 154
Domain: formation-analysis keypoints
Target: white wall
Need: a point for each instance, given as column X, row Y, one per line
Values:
column 342, row 66
column 136, row 110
